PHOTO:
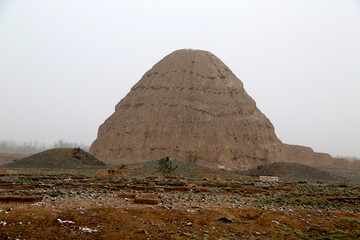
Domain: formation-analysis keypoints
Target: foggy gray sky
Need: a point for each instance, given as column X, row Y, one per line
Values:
column 64, row 65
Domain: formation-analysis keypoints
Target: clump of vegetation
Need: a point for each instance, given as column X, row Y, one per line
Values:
column 192, row 158
column 165, row 166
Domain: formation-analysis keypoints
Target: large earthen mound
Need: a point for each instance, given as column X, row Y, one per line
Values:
column 189, row 104
column 294, row 170
column 64, row 158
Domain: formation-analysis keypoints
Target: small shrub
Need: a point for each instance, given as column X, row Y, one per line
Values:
column 192, row 158
column 165, row 166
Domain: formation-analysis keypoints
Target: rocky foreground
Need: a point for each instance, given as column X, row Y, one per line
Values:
column 175, row 208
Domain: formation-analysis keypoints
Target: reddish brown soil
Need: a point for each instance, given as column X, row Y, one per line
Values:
column 94, row 208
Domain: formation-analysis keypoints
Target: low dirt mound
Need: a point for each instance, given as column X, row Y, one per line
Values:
column 293, row 170
column 65, row 158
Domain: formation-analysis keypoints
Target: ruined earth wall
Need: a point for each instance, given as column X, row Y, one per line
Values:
column 307, row 156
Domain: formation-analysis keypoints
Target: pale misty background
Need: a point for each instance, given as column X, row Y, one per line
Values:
column 64, row 65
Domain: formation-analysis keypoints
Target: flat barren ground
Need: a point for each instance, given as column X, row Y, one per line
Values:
column 74, row 207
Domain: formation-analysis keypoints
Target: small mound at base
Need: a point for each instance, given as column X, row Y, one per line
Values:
column 64, row 158
column 293, row 170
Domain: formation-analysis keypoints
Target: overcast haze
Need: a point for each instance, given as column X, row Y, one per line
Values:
column 64, row 65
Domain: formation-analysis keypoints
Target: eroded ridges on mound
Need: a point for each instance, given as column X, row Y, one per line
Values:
column 189, row 103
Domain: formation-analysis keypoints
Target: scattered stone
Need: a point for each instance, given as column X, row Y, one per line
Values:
column 88, row 230
column 39, row 204
column 142, row 231
column 65, row 222
column 226, row 219
column 277, row 223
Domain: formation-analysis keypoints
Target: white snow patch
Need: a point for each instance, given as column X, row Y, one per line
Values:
column 65, row 221
column 39, row 203
column 88, row 230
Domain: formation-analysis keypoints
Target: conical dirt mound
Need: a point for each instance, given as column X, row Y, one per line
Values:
column 188, row 106
column 64, row 158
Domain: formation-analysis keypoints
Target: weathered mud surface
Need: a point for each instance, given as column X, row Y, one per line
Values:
column 176, row 208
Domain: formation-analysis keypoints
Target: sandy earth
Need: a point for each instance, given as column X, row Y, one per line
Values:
column 184, row 209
